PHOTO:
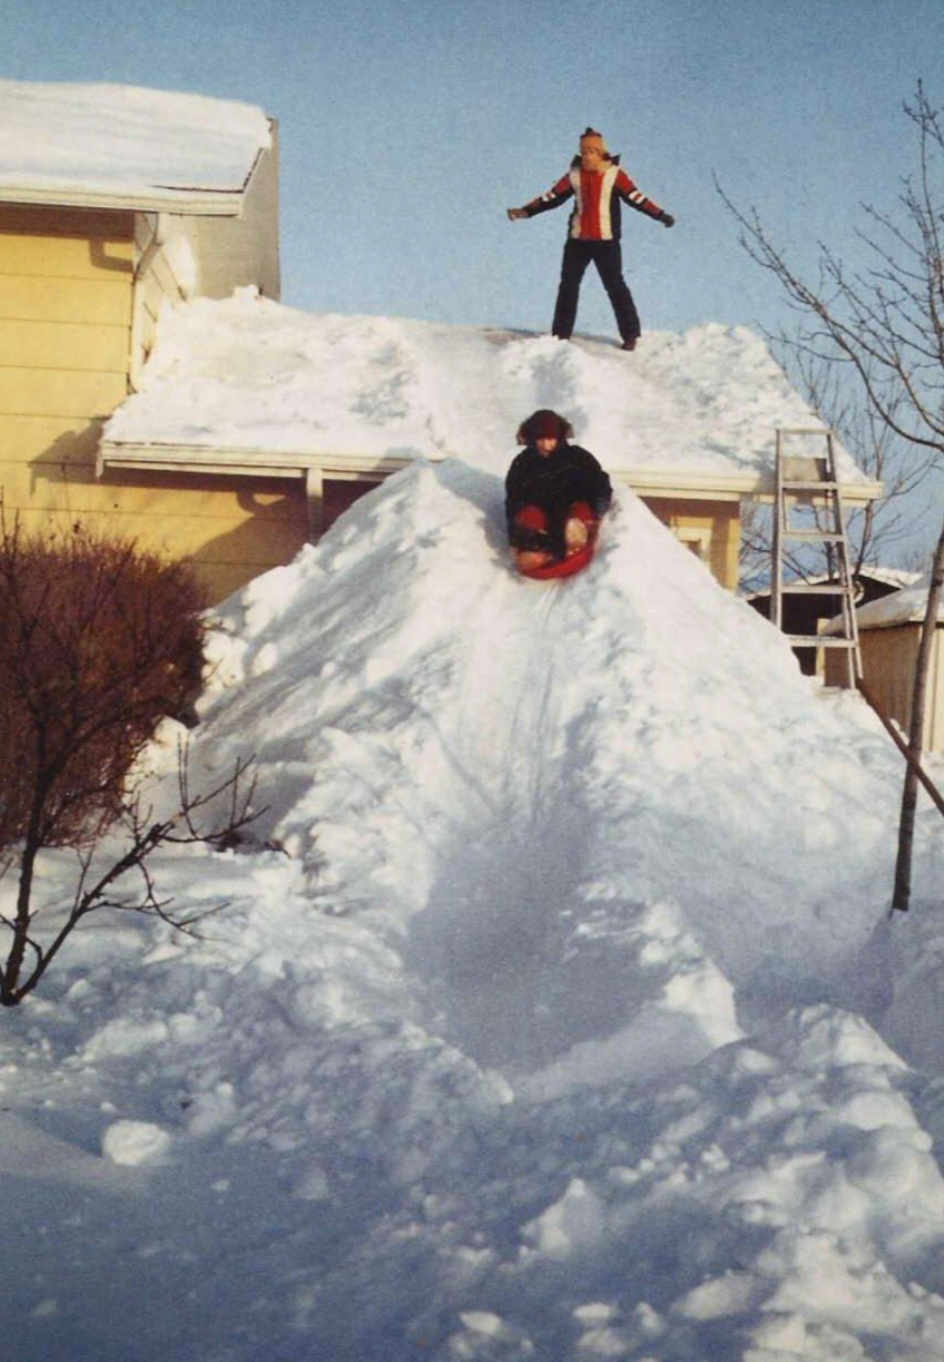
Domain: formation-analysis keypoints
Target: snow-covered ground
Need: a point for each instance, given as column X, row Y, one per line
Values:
column 567, row 1023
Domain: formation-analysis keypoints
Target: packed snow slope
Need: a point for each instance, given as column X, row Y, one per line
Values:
column 632, row 735
column 555, row 1010
column 245, row 374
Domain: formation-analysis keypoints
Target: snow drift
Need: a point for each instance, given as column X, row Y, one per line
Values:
column 543, row 1022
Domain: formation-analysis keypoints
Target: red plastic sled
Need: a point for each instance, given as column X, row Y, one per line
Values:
column 532, row 517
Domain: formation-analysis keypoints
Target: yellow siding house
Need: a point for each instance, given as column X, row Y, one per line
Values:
column 115, row 202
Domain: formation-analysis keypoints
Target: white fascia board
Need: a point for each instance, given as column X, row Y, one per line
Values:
column 695, row 486
column 244, row 462
column 214, row 203
column 193, row 202
column 241, row 462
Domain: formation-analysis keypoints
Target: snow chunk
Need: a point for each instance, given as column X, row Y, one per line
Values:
column 45, row 1309
column 125, row 1036
column 727, row 1295
column 573, row 1224
column 131, row 1143
column 824, row 1036
column 488, row 1336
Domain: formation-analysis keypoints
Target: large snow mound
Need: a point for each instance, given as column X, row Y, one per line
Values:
column 638, row 729
column 126, row 139
column 544, row 1025
column 246, row 373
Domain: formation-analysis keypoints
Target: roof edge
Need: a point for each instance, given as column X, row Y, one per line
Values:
column 726, row 486
column 246, row 461
column 226, row 203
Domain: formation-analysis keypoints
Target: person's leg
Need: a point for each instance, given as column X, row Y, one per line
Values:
column 608, row 258
column 575, row 261
column 530, row 539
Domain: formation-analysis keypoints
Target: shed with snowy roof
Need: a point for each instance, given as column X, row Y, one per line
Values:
column 889, row 636
column 810, row 614
column 114, row 201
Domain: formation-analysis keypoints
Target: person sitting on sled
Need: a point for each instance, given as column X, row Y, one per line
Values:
column 555, row 493
column 598, row 185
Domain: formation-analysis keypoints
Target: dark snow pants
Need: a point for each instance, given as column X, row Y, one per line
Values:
column 607, row 257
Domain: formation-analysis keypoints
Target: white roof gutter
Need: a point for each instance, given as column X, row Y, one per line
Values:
column 240, row 461
column 225, row 203
column 194, row 201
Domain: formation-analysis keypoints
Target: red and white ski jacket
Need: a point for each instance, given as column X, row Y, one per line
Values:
column 596, row 213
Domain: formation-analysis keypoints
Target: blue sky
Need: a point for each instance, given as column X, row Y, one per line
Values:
column 407, row 129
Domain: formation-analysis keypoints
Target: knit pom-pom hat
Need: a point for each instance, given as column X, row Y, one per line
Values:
column 544, row 425
column 590, row 137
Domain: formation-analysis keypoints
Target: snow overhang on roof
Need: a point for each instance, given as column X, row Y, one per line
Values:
column 118, row 146
column 246, row 386
column 904, row 608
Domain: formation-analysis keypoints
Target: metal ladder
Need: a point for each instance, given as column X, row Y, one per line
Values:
column 812, row 480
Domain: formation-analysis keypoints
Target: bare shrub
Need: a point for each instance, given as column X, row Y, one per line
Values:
column 99, row 640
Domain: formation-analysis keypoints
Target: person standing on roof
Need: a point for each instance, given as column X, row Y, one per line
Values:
column 598, row 184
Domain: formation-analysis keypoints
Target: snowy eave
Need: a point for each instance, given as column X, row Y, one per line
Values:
column 243, row 462
column 903, row 608
column 122, row 147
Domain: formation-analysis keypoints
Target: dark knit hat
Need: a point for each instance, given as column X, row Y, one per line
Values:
column 544, row 425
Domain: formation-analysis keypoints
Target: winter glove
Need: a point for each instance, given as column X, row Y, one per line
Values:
column 576, row 535
column 515, row 213
column 667, row 220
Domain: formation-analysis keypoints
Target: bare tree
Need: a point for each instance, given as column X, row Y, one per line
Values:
column 885, row 325
column 98, row 641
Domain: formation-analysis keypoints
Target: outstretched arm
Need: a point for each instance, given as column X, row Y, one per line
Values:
column 630, row 193
column 555, row 196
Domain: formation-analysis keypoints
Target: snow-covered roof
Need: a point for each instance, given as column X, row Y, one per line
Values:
column 122, row 146
column 247, row 383
column 894, row 577
column 907, row 606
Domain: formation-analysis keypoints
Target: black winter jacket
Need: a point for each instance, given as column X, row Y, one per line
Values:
column 554, row 482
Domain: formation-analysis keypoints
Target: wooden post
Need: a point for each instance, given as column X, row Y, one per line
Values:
column 314, row 495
